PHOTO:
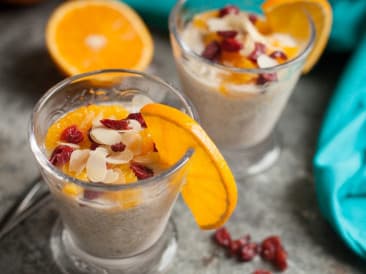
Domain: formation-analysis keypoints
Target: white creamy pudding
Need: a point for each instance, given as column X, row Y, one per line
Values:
column 230, row 70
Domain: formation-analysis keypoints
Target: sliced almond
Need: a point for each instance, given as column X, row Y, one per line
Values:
column 78, row 160
column 104, row 150
column 138, row 101
column 96, row 122
column 218, row 24
column 248, row 45
column 87, row 119
column 265, row 61
column 133, row 141
column 96, row 166
column 74, row 146
column 105, row 136
column 111, row 176
column 284, row 39
column 253, row 33
column 146, row 159
column 120, row 157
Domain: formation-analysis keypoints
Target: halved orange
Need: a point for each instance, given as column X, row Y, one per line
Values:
column 87, row 35
column 290, row 15
column 210, row 191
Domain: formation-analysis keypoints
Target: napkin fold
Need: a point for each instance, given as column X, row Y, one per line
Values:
column 340, row 161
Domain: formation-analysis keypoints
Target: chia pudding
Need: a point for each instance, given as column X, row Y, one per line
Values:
column 224, row 60
column 108, row 145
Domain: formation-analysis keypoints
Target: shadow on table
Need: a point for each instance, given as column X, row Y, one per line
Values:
column 26, row 249
column 305, row 207
column 33, row 73
column 307, row 213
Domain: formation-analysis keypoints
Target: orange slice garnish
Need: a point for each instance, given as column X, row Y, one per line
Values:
column 290, row 16
column 210, row 191
column 88, row 35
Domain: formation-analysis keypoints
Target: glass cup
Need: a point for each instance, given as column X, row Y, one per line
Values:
column 119, row 228
column 239, row 117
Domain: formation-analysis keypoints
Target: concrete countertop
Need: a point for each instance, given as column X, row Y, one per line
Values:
column 280, row 201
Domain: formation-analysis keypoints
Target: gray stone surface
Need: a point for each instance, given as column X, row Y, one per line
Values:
column 281, row 201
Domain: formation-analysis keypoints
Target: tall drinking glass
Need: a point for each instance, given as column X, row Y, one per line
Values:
column 119, row 228
column 239, row 117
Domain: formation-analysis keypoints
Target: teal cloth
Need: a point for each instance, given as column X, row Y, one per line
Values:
column 340, row 160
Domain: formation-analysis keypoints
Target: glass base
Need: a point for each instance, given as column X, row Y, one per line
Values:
column 72, row 260
column 253, row 160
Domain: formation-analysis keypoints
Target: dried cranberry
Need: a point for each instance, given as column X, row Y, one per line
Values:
column 266, row 77
column 269, row 247
column 277, row 54
column 212, row 51
column 230, row 44
column 138, row 117
column 259, row 48
column 227, row 33
column 72, row 135
column 262, row 271
column 228, row 9
column 91, row 194
column 61, row 155
column 118, row 147
column 268, row 251
column 141, row 172
column 93, row 145
column 244, row 240
column 253, row 18
column 155, row 148
column 248, row 252
column 234, row 247
column 115, row 124
column 280, row 260
column 222, row 237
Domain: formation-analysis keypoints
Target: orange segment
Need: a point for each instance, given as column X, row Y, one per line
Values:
column 210, row 190
column 290, row 16
column 87, row 35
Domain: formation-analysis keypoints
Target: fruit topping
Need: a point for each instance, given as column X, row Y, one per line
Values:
column 78, row 160
column 141, row 171
column 118, row 147
column 115, row 124
column 72, row 135
column 91, row 194
column 259, row 49
column 61, row 155
column 96, row 166
column 230, row 44
column 105, row 136
column 227, row 33
column 138, row 117
column 212, row 51
column 277, row 54
column 228, row 9
column 253, row 18
column 266, row 77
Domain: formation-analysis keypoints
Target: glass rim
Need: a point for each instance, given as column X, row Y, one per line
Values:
column 46, row 164
column 173, row 19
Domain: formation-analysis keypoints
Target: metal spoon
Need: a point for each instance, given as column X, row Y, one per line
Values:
column 33, row 199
